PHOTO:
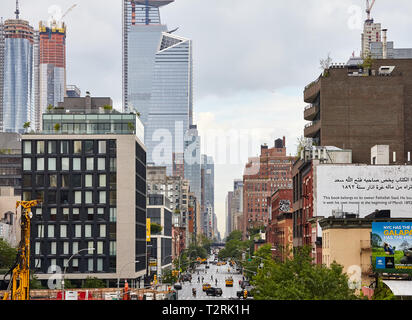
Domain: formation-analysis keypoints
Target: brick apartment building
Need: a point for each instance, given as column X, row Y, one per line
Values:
column 262, row 176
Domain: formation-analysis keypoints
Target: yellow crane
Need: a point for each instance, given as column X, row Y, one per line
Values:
column 19, row 287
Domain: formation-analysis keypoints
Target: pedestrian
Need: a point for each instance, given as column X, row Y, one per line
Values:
column 211, row 277
column 198, row 279
column 216, row 281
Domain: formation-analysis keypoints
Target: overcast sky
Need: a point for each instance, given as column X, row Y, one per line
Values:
column 252, row 59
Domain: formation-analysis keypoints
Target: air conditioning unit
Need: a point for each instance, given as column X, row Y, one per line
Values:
column 386, row 70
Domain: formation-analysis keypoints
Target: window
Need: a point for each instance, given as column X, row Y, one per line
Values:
column 65, row 248
column 112, row 181
column 64, row 197
column 112, row 249
column 65, row 164
column 52, row 164
column 99, row 247
column 75, row 264
column 100, row 211
column 65, row 214
column 88, row 231
column 90, row 264
column 50, row 231
column 40, row 164
column 112, row 198
column 40, row 147
column 51, row 197
column 77, row 147
column 27, row 164
column 101, row 164
column 88, row 147
column 113, row 164
column 102, row 231
column 27, row 147
column 88, row 197
column 102, row 147
column 53, row 181
column 90, row 214
column 77, row 198
column 75, row 247
column 89, row 181
column 90, row 246
column 40, row 231
column 27, row 180
column 90, row 164
column 37, row 248
column 51, row 148
column 102, row 180
column 64, row 147
column 76, row 164
column 78, row 231
column 113, row 214
column 102, row 197
column 40, row 180
column 63, row 231
column 53, row 248
column 112, row 146
column 99, row 265
column 77, row 180
column 76, row 214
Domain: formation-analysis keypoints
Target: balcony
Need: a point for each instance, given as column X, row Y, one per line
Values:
column 310, row 112
column 312, row 129
column 312, row 90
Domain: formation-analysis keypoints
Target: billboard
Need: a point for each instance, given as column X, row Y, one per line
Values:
column 364, row 189
column 391, row 244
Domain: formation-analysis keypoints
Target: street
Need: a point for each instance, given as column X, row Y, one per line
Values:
column 218, row 272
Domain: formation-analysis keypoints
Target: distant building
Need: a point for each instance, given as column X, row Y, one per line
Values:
column 193, row 161
column 10, row 162
column 262, row 176
column 52, row 66
column 160, row 246
column 372, row 32
column 72, row 91
column 17, row 79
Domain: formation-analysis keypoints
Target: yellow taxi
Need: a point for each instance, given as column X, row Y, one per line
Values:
column 206, row 286
column 229, row 282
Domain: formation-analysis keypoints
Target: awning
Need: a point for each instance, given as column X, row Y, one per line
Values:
column 399, row 288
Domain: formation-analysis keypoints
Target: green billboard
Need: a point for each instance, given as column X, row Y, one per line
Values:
column 391, row 244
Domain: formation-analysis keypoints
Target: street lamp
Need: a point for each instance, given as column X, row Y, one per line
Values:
column 64, row 271
column 120, row 273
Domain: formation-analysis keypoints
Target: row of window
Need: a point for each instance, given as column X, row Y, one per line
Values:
column 66, row 181
column 66, row 164
column 69, row 147
column 69, row 248
column 75, row 213
column 74, row 264
column 80, row 231
column 74, row 197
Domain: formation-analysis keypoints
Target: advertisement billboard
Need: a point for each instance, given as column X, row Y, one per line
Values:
column 364, row 189
column 391, row 244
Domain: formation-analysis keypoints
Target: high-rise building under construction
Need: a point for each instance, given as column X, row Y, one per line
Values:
column 52, row 66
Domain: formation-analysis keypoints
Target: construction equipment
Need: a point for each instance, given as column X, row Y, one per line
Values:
column 70, row 9
column 20, row 272
column 369, row 8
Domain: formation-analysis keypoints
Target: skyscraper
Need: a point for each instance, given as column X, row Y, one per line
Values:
column 157, row 79
column 16, row 74
column 52, row 66
column 192, row 158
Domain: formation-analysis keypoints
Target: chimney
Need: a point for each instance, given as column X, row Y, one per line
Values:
column 284, row 142
column 385, row 44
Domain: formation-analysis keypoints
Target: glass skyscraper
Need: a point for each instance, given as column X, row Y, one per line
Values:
column 193, row 164
column 157, row 79
column 17, row 76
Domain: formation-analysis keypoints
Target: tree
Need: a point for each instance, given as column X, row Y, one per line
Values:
column 93, row 283
column 49, row 108
column 107, row 108
column 35, row 283
column 367, row 63
column 155, row 228
column 382, row 292
column 131, row 127
column 376, row 240
column 26, row 126
column 325, row 65
column 7, row 255
column 299, row 279
column 57, row 127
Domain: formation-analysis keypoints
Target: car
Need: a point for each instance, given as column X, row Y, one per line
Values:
column 207, row 266
column 206, row 286
column 214, row 292
column 229, row 282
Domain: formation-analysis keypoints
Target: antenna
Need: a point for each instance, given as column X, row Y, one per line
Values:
column 17, row 12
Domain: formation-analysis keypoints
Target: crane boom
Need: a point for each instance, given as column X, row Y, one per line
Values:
column 369, row 8
column 68, row 10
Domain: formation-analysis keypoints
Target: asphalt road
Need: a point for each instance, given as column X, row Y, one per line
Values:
column 219, row 272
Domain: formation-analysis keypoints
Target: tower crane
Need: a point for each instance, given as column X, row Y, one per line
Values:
column 369, row 8
column 19, row 285
column 68, row 10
